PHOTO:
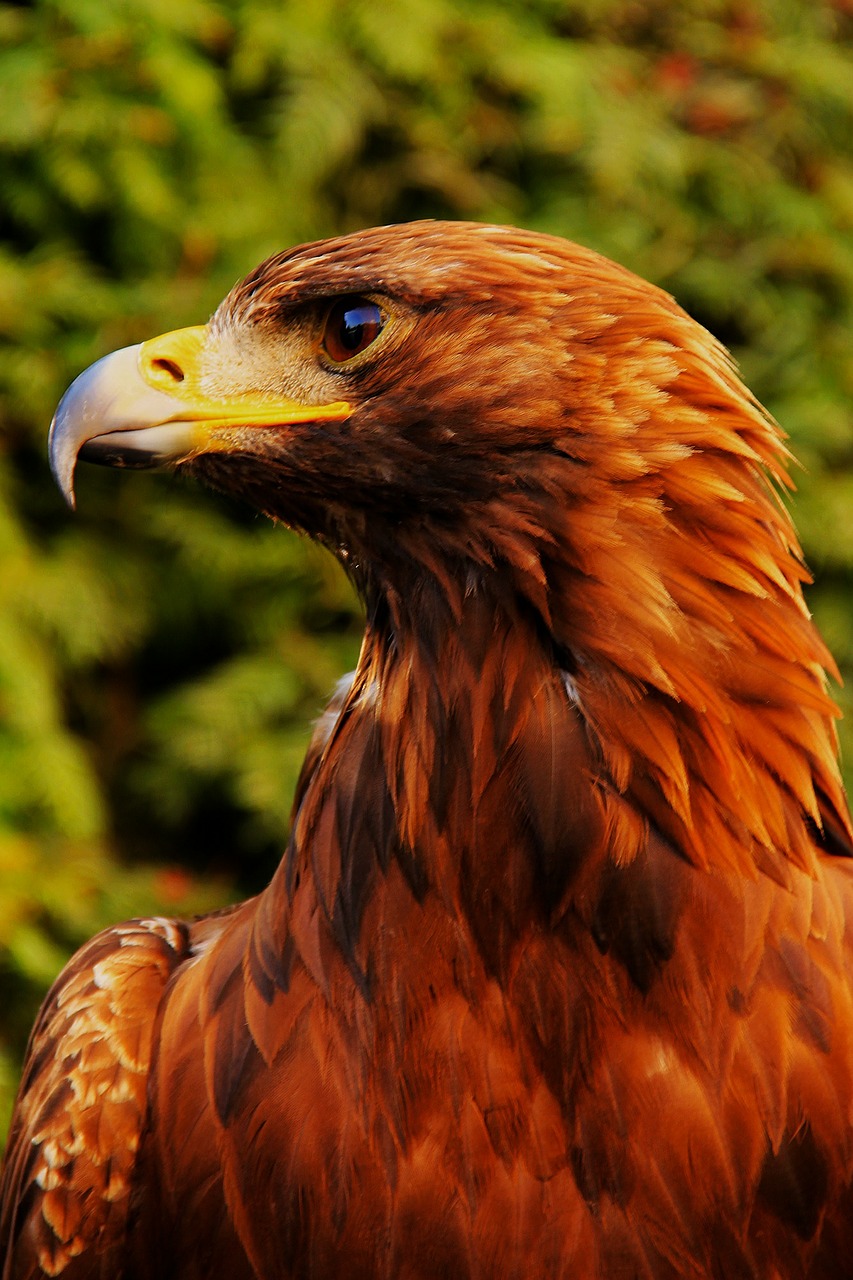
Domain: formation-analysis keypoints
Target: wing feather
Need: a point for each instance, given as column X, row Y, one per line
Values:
column 82, row 1106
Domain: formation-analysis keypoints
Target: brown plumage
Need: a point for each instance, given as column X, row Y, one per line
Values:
column 552, row 981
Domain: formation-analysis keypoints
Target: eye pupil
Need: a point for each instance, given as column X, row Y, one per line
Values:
column 351, row 326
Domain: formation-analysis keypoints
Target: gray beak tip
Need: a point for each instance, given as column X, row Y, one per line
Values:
column 110, row 415
column 63, row 461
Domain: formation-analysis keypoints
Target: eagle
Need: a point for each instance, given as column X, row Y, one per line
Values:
column 554, row 977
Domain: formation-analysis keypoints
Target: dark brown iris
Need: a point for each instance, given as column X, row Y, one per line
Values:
column 351, row 326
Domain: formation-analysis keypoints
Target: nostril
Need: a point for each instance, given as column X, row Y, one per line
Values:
column 169, row 367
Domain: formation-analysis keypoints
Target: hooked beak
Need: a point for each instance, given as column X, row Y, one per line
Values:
column 145, row 405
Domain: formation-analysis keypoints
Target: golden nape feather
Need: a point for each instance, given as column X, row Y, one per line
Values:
column 553, row 981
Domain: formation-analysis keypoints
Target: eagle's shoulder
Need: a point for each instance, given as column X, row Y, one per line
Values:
column 82, row 1104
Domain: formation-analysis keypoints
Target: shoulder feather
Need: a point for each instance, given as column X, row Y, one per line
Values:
column 82, row 1105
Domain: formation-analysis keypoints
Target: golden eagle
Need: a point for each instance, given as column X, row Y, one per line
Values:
column 554, row 978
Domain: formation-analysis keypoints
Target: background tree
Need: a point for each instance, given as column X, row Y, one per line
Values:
column 162, row 655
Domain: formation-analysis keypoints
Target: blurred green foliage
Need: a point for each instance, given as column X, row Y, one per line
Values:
column 162, row 654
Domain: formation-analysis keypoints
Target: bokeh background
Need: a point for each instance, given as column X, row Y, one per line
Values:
column 162, row 653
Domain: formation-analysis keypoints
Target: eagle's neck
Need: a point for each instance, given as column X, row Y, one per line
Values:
column 459, row 766
column 487, row 794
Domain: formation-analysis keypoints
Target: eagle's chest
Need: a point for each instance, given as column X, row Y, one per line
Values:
column 418, row 1141
column 443, row 1120
column 451, row 1127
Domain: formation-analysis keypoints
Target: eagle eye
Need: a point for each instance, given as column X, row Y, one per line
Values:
column 352, row 324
